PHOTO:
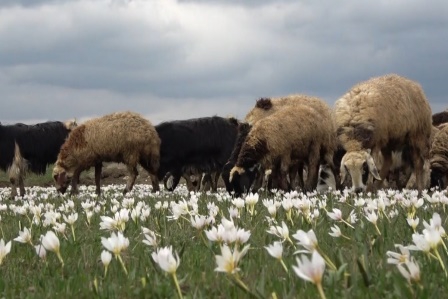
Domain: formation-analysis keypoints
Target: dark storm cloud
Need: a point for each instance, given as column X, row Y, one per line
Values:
column 179, row 59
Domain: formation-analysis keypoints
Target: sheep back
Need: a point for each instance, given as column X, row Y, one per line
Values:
column 118, row 137
column 383, row 111
column 267, row 106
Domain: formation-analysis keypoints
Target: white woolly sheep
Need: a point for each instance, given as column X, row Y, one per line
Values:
column 383, row 114
column 286, row 135
column 123, row 137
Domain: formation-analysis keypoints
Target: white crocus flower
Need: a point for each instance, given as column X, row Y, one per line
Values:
column 4, row 250
column 307, row 240
column 228, row 260
column 311, row 270
column 165, row 259
column 398, row 258
column 24, row 236
column 275, row 250
column 51, row 243
column 412, row 274
column 106, row 257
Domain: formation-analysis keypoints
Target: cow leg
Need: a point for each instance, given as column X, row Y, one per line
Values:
column 98, row 168
column 132, row 177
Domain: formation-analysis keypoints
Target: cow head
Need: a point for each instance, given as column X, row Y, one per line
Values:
column 359, row 164
column 61, row 178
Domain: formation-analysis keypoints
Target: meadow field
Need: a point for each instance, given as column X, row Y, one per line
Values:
column 203, row 245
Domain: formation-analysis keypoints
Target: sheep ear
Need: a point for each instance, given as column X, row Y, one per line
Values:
column 234, row 170
column 372, row 168
column 369, row 151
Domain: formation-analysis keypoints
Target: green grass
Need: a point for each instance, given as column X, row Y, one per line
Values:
column 362, row 270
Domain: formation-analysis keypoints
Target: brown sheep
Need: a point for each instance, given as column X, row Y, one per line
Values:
column 439, row 159
column 123, row 137
column 267, row 106
column 383, row 114
column 287, row 135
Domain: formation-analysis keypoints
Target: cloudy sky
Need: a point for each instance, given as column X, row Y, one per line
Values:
column 168, row 59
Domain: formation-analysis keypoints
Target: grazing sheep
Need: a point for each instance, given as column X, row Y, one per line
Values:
column 440, row 118
column 285, row 136
column 265, row 107
column 383, row 114
column 123, row 137
column 439, row 159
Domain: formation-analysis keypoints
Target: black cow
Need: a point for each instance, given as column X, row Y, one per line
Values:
column 204, row 144
column 30, row 148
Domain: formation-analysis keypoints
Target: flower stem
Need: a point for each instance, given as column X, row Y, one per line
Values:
column 73, row 233
column 440, row 260
column 377, row 229
column 122, row 264
column 327, row 259
column 177, row 284
column 60, row 258
column 105, row 271
column 345, row 222
column 284, row 266
column 321, row 290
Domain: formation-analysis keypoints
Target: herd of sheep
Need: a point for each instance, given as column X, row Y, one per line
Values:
column 381, row 130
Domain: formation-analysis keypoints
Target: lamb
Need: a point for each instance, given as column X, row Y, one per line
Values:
column 439, row 159
column 383, row 114
column 287, row 135
column 123, row 137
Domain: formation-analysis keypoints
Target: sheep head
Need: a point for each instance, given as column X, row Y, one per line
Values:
column 234, row 170
column 61, row 178
column 359, row 164
column 70, row 124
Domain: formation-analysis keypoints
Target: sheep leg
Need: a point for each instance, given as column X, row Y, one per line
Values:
column 98, row 168
column 215, row 181
column 385, row 169
column 13, row 190
column 21, row 185
column 418, row 170
column 75, row 181
column 188, row 182
column 258, row 183
column 132, row 177
column 282, row 180
column 313, row 170
column 293, row 169
column 154, row 182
